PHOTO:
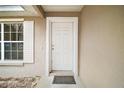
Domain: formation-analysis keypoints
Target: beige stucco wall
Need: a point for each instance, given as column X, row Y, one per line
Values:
column 38, row 67
column 101, row 46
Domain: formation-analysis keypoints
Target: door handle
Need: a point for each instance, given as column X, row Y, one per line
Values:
column 52, row 47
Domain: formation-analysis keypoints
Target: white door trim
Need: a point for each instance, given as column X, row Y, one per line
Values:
column 49, row 20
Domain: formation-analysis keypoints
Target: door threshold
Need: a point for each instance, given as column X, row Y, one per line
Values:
column 61, row 73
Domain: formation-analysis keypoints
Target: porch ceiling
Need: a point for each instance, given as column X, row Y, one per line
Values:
column 39, row 10
column 62, row 8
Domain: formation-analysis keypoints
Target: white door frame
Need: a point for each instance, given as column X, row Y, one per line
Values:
column 49, row 21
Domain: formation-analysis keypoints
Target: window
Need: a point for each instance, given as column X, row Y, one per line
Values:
column 11, row 41
column 16, row 41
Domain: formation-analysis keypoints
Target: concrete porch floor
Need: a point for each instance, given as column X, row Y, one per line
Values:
column 46, row 82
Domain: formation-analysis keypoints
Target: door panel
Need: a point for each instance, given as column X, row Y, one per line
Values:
column 62, row 45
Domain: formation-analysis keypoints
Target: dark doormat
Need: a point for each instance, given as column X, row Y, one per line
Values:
column 64, row 80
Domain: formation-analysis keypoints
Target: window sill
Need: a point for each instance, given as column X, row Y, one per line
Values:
column 10, row 63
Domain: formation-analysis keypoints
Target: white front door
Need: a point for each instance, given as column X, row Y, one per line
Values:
column 62, row 45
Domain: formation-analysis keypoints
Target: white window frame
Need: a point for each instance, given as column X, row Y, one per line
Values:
column 2, row 60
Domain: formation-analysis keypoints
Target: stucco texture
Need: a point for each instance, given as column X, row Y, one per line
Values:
column 38, row 67
column 101, row 46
